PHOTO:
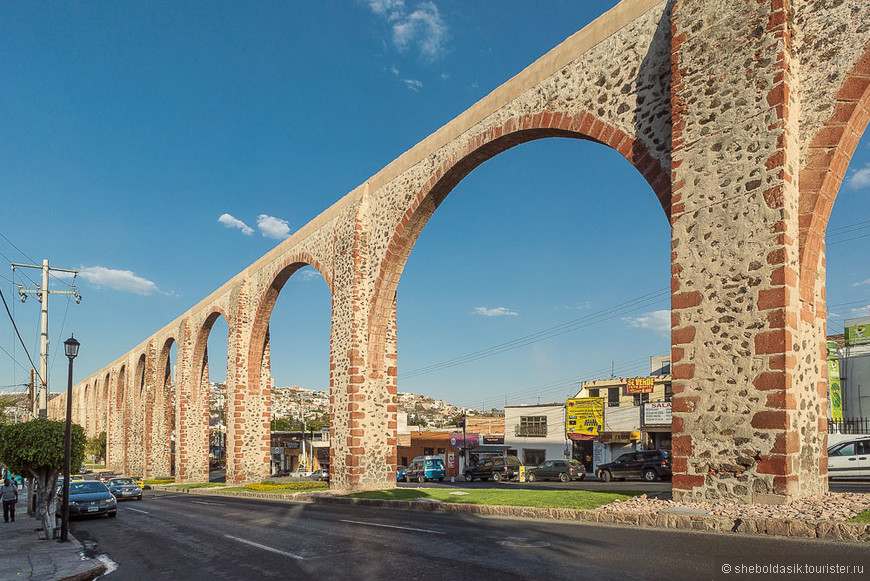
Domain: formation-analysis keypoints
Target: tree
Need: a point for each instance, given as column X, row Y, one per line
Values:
column 36, row 448
column 95, row 446
column 5, row 403
column 281, row 425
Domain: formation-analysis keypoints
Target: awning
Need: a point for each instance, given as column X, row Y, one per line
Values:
column 489, row 449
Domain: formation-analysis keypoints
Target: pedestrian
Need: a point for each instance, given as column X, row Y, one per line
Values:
column 9, row 495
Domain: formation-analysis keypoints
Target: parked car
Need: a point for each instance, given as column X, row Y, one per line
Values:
column 564, row 470
column 400, row 472
column 299, row 473
column 76, row 478
column 849, row 458
column 423, row 468
column 496, row 468
column 321, row 474
column 650, row 465
column 105, row 476
column 91, row 497
column 124, row 488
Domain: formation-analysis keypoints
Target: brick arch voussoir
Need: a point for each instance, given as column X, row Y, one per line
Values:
column 480, row 148
column 200, row 344
column 828, row 157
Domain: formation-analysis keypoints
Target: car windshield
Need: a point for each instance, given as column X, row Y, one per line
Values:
column 86, row 487
column 121, row 481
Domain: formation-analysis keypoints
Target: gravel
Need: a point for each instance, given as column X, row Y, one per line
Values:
column 834, row 506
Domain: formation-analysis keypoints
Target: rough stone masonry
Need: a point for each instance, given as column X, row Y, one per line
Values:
column 741, row 116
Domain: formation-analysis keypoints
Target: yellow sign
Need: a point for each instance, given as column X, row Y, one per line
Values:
column 639, row 385
column 584, row 416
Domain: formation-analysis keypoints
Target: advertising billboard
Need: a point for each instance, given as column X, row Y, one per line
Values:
column 835, row 396
column 639, row 385
column 857, row 332
column 584, row 417
column 657, row 413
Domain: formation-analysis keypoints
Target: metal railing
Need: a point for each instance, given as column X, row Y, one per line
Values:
column 849, row 426
column 532, row 431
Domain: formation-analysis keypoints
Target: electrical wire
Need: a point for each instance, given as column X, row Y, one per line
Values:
column 15, row 326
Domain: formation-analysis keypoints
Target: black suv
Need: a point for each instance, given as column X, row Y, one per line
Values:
column 496, row 468
column 564, row 470
column 648, row 464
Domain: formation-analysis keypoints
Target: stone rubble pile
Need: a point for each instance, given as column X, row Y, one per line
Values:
column 836, row 506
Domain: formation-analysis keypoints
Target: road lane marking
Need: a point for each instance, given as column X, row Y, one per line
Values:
column 206, row 502
column 265, row 548
column 372, row 524
column 137, row 510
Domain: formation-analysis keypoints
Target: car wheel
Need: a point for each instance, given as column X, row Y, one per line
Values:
column 531, row 477
column 650, row 475
column 564, row 477
column 421, row 479
column 469, row 477
column 605, row 476
column 113, row 514
column 496, row 477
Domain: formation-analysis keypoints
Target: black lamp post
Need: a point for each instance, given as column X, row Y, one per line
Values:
column 71, row 348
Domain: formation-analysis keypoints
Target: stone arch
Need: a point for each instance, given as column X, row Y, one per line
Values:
column 481, row 148
column 199, row 349
column 160, row 414
column 266, row 304
column 827, row 160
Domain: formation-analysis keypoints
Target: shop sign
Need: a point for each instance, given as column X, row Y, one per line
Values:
column 618, row 437
column 584, row 416
column 458, row 440
column 492, row 440
column 639, row 385
column 657, row 413
column 835, row 395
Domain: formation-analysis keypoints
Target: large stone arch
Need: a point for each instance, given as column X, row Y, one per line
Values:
column 159, row 415
column 116, row 440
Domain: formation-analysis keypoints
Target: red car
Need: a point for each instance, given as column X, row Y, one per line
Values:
column 106, row 476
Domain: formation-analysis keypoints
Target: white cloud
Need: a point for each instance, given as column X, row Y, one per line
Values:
column 863, row 282
column 860, row 311
column 272, row 227
column 232, row 222
column 496, row 312
column 307, row 273
column 658, row 321
column 422, row 28
column 414, row 84
column 122, row 280
column 859, row 179
column 394, row 70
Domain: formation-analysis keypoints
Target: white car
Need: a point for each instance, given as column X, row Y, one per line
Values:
column 850, row 458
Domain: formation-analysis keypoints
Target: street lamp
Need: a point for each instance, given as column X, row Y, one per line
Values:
column 71, row 348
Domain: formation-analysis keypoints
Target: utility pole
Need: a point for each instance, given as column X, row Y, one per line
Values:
column 40, row 404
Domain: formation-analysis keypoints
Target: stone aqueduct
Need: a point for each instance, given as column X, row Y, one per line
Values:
column 742, row 116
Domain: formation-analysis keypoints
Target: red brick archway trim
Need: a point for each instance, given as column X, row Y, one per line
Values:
column 828, row 157
column 479, row 149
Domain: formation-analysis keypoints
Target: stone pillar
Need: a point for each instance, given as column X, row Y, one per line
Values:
column 115, row 450
column 249, row 397
column 160, row 412
column 746, row 424
column 191, row 447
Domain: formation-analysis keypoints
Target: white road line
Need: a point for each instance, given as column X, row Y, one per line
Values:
column 137, row 510
column 205, row 502
column 372, row 524
column 265, row 548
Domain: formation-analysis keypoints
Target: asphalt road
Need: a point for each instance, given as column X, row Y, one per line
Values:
column 185, row 536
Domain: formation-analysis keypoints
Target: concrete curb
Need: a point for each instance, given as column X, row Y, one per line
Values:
column 827, row 530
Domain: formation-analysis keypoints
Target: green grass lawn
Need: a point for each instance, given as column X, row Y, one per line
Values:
column 863, row 517
column 199, row 485
column 536, row 498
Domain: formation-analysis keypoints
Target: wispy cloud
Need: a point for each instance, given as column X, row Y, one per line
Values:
column 860, row 311
column 122, row 280
column 414, row 84
column 272, row 227
column 658, row 321
column 861, row 283
column 421, row 28
column 232, row 222
column 496, row 312
column 307, row 273
column 859, row 179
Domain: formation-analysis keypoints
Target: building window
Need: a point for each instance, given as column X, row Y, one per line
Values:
column 669, row 393
column 613, row 397
column 640, row 398
column 593, row 393
column 404, row 460
column 534, row 457
column 428, row 451
column 440, row 450
column 532, row 426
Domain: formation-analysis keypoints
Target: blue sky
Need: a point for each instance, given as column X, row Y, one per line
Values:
column 160, row 148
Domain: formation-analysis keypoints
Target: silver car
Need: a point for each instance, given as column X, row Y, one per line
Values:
column 124, row 488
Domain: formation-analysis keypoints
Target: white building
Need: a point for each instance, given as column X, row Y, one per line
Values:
column 536, row 432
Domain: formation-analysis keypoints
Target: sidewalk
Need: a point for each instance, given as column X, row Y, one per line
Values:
column 24, row 555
